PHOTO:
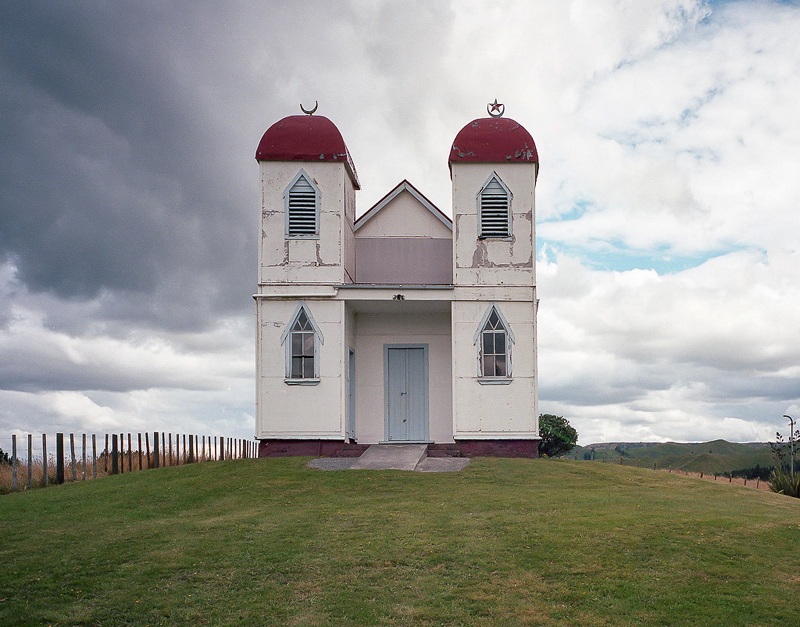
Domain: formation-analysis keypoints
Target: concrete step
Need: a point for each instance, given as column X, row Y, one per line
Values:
column 391, row 457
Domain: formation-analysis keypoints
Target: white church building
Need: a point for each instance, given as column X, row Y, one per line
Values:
column 402, row 325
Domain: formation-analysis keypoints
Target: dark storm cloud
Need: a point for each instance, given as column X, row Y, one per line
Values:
column 112, row 177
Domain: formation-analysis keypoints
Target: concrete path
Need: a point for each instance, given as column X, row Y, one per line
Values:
column 423, row 463
column 391, row 457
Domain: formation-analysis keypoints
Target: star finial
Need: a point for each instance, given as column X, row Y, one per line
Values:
column 495, row 109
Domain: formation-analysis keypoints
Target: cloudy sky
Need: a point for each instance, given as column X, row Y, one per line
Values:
column 668, row 200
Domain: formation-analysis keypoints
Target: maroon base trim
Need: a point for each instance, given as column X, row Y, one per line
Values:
column 499, row 448
column 462, row 448
column 315, row 448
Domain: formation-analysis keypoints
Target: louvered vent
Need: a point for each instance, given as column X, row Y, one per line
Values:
column 494, row 210
column 302, row 208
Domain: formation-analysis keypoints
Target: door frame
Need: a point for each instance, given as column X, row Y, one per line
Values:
column 426, row 394
column 351, row 394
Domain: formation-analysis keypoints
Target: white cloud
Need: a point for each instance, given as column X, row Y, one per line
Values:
column 672, row 354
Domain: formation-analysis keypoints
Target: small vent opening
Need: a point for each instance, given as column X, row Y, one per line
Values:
column 494, row 210
column 302, row 208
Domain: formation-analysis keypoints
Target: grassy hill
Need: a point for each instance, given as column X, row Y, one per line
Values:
column 505, row 542
column 717, row 456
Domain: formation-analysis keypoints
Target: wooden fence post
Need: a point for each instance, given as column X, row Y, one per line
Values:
column 203, row 456
column 59, row 458
column 140, row 450
column 14, row 462
column 130, row 454
column 191, row 449
column 114, row 455
column 163, row 450
column 30, row 461
column 147, row 443
column 72, row 455
column 94, row 456
column 83, row 455
column 156, row 456
column 44, row 458
column 170, row 450
column 105, row 455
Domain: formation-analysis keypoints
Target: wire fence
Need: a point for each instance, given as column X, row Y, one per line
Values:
column 39, row 461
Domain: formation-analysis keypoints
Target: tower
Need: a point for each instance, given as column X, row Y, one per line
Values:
column 494, row 166
column 306, row 250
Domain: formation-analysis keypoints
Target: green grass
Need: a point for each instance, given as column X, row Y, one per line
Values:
column 505, row 542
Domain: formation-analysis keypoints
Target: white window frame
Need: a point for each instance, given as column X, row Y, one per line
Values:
column 302, row 174
column 318, row 341
column 509, row 197
column 478, row 340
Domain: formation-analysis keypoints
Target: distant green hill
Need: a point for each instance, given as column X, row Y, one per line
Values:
column 717, row 456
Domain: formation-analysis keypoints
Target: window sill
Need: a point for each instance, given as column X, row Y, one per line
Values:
column 495, row 380
column 301, row 381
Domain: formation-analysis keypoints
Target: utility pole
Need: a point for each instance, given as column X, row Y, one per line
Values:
column 791, row 439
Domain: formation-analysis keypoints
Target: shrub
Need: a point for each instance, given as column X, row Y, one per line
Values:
column 558, row 436
column 781, row 481
column 4, row 458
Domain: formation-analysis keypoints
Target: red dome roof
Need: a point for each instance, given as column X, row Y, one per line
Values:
column 305, row 138
column 493, row 140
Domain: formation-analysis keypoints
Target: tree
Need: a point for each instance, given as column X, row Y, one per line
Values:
column 558, row 436
column 784, row 478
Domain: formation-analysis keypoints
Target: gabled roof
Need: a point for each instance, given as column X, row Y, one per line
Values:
column 404, row 186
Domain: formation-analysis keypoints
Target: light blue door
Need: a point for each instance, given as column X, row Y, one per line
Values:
column 351, row 395
column 406, row 393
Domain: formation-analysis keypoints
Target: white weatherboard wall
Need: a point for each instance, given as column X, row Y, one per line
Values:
column 301, row 411
column 500, row 271
column 373, row 331
column 493, row 261
column 321, row 260
column 492, row 411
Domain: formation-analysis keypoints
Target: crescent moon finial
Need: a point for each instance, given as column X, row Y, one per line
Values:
column 495, row 109
column 303, row 109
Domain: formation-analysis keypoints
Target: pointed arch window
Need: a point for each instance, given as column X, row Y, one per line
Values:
column 494, row 209
column 494, row 339
column 302, row 339
column 302, row 207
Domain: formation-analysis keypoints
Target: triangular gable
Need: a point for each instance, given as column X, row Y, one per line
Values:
column 404, row 186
